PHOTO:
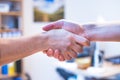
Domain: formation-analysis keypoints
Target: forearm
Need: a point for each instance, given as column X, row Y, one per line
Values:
column 17, row 48
column 103, row 32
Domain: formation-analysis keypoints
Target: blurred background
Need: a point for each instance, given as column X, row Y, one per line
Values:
column 100, row 61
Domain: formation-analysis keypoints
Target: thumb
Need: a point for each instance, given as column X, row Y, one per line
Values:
column 81, row 40
column 48, row 27
column 54, row 25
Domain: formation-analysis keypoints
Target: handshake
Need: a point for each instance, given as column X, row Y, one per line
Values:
column 65, row 39
column 62, row 40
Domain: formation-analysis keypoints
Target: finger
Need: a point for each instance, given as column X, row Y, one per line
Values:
column 48, row 27
column 77, row 48
column 61, row 58
column 56, row 54
column 54, row 25
column 66, row 56
column 72, row 54
column 50, row 52
column 81, row 40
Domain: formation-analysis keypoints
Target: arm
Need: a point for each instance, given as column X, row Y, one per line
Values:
column 17, row 48
column 102, row 32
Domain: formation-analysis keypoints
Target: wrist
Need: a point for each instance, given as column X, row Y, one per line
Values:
column 90, row 31
column 41, row 41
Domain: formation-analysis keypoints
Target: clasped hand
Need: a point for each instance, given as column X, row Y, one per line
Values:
column 65, row 41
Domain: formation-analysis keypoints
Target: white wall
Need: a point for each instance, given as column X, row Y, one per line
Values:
column 84, row 11
column 87, row 11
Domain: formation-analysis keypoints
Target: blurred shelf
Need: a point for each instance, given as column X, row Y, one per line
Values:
column 11, row 13
column 18, row 28
column 16, row 0
column 7, row 76
column 9, row 30
column 12, row 0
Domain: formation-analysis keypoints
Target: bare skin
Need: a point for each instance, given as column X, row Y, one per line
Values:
column 93, row 32
column 12, row 49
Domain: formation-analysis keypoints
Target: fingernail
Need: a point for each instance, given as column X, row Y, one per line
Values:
column 50, row 50
column 56, row 51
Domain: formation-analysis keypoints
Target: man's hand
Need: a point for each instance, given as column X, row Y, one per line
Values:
column 69, row 26
column 68, row 44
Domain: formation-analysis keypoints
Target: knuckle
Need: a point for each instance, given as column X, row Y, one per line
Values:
column 80, row 50
column 75, row 55
column 69, row 58
column 69, row 44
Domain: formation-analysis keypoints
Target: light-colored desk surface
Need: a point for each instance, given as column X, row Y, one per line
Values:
column 108, row 69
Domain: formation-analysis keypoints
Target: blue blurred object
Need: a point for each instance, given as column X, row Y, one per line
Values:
column 49, row 0
column 10, row 22
column 65, row 74
column 114, row 60
column 17, row 78
column 72, row 78
column 5, row 70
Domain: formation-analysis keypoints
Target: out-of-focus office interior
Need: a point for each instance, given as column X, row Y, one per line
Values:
column 99, row 61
